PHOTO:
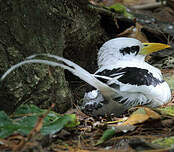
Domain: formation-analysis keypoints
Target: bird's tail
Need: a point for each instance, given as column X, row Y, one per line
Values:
column 72, row 67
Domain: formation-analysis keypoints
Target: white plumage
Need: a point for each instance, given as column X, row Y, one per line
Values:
column 109, row 57
column 123, row 75
column 109, row 53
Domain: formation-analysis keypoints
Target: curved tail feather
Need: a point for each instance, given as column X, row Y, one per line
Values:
column 107, row 91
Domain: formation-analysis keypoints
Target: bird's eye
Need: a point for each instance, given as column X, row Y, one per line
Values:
column 135, row 49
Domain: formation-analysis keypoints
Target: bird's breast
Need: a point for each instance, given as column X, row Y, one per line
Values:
column 161, row 94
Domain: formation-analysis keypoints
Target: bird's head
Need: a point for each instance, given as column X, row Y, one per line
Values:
column 124, row 46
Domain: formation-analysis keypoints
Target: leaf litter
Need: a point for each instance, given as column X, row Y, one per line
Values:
column 83, row 133
column 29, row 121
column 74, row 131
column 44, row 130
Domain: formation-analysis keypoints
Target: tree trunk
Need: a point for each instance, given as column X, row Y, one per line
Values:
column 74, row 29
column 67, row 28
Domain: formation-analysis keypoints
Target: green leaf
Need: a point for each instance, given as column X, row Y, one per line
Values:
column 73, row 122
column 7, row 130
column 51, row 127
column 170, row 80
column 119, row 8
column 26, row 109
column 108, row 134
column 26, row 117
column 167, row 110
column 165, row 142
column 7, row 127
column 4, row 119
column 26, row 124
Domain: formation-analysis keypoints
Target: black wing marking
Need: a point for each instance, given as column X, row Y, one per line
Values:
column 132, row 75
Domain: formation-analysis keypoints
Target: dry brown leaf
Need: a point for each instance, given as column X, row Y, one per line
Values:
column 134, row 32
column 11, row 142
column 152, row 114
column 140, row 35
column 126, row 32
column 141, row 115
column 135, row 119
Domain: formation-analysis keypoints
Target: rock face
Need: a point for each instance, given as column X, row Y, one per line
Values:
column 66, row 28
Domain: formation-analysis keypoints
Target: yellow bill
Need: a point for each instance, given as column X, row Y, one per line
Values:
column 149, row 48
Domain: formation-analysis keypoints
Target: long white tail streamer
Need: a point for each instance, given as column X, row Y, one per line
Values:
column 107, row 91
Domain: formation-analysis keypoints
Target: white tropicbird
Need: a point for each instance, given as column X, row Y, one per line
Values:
column 123, row 77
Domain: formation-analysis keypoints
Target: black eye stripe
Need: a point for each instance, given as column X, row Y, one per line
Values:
column 128, row 50
column 135, row 49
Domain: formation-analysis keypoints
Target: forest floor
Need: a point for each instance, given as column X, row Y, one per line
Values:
column 140, row 129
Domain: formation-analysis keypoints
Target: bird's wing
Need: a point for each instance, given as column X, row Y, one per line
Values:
column 128, row 75
column 130, row 82
column 107, row 91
